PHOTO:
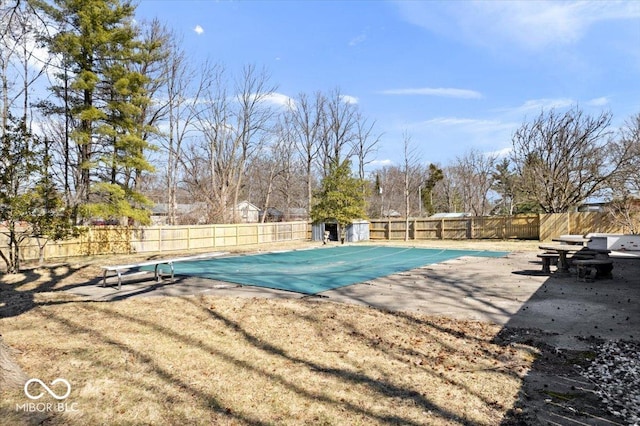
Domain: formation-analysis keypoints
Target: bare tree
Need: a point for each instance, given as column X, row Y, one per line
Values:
column 20, row 25
column 625, row 186
column 365, row 144
column 563, row 159
column 305, row 119
column 253, row 118
column 184, row 88
column 410, row 164
column 232, row 127
column 271, row 166
column 390, row 195
column 338, row 130
column 474, row 174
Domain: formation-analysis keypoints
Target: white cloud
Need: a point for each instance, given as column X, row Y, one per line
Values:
column 501, row 153
column 381, row 163
column 275, row 98
column 467, row 123
column 538, row 105
column 601, row 101
column 280, row 100
column 533, row 25
column 357, row 40
column 349, row 99
column 198, row 29
column 444, row 92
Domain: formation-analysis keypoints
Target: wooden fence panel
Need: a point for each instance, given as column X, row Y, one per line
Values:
column 521, row 227
column 582, row 223
column 154, row 239
column 378, row 230
column 506, row 227
column 425, row 229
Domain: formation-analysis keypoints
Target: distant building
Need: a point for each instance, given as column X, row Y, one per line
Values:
column 247, row 212
column 390, row 213
column 193, row 213
column 272, row 215
column 449, row 215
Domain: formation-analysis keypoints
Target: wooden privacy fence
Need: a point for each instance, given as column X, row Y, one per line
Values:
column 521, row 227
column 154, row 239
column 582, row 223
column 535, row 227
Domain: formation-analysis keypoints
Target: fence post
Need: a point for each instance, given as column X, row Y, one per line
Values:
column 442, row 229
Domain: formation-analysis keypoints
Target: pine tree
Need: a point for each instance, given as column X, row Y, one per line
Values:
column 97, row 44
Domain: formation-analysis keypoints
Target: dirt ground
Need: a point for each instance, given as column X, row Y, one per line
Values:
column 567, row 319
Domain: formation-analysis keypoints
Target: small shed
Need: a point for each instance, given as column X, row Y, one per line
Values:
column 247, row 212
column 358, row 230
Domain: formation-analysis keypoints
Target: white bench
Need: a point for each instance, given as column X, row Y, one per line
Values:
column 120, row 269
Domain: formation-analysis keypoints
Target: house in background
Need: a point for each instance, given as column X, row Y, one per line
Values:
column 391, row 214
column 272, row 215
column 194, row 213
column 244, row 212
column 247, row 212
column 449, row 215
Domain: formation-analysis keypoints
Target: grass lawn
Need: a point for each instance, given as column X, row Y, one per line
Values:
column 237, row 361
column 211, row 360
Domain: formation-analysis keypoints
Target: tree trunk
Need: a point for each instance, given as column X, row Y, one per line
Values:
column 11, row 375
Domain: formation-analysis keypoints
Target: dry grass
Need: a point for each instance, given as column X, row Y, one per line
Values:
column 207, row 360
column 233, row 361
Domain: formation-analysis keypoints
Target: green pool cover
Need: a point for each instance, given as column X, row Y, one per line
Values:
column 316, row 270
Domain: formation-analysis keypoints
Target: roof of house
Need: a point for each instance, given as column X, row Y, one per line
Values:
column 163, row 208
column 449, row 215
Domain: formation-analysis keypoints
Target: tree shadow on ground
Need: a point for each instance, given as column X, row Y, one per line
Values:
column 19, row 292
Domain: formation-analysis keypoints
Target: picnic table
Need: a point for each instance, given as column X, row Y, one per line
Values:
column 571, row 239
column 564, row 249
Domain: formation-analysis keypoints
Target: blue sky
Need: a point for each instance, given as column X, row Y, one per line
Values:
column 454, row 75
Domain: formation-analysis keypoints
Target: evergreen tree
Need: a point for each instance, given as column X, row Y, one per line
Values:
column 435, row 175
column 340, row 197
column 105, row 97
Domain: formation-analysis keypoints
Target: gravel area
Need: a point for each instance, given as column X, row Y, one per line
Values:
column 616, row 373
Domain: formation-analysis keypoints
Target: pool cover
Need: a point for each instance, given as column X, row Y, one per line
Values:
column 313, row 271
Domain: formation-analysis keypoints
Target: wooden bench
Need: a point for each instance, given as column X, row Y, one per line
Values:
column 589, row 269
column 120, row 269
column 547, row 258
